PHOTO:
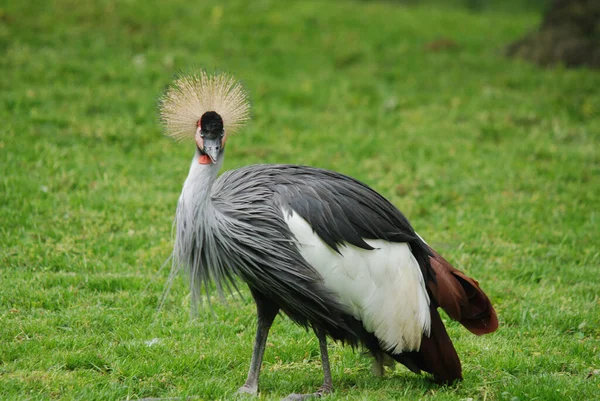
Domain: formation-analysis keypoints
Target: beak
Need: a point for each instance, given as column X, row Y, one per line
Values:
column 212, row 147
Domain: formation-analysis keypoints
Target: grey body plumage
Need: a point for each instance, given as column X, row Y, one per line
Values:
column 239, row 230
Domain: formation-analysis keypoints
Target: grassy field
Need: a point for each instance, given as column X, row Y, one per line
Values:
column 494, row 161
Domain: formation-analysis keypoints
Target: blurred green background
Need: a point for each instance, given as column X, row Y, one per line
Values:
column 493, row 160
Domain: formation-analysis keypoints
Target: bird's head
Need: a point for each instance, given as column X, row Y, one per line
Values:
column 207, row 108
column 210, row 137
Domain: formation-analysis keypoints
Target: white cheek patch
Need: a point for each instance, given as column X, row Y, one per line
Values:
column 383, row 288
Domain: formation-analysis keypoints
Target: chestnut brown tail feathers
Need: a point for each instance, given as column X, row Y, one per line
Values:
column 461, row 298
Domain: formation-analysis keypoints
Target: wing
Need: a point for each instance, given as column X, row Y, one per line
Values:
column 342, row 210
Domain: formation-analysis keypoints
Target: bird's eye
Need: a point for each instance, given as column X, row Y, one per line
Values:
column 222, row 133
column 201, row 134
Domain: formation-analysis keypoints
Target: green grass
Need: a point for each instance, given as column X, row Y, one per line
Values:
column 494, row 161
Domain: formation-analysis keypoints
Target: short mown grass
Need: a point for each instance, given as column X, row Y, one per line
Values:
column 494, row 161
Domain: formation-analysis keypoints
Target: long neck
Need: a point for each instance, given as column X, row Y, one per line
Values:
column 195, row 222
column 196, row 214
column 198, row 184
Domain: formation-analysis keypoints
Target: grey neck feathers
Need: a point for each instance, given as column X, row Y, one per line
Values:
column 198, row 184
column 197, row 227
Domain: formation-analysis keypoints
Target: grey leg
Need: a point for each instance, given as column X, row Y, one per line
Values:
column 377, row 366
column 379, row 361
column 266, row 312
column 327, row 386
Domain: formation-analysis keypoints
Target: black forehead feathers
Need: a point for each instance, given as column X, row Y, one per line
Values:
column 211, row 123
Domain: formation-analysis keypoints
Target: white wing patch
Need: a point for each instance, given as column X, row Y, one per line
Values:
column 383, row 288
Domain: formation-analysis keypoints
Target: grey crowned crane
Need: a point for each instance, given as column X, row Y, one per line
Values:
column 319, row 246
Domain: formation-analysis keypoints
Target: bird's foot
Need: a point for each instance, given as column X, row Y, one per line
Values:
column 321, row 392
column 247, row 389
column 377, row 368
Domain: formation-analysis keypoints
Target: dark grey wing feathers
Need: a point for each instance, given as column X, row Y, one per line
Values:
column 341, row 209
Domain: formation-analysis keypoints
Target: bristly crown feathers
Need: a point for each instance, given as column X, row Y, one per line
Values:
column 185, row 102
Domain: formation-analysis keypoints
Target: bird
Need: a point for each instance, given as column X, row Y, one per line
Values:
column 323, row 248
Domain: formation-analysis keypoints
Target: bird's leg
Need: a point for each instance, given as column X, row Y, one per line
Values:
column 381, row 359
column 327, row 386
column 377, row 365
column 266, row 312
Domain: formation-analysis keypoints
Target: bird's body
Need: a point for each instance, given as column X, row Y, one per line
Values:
column 324, row 248
column 263, row 236
column 329, row 252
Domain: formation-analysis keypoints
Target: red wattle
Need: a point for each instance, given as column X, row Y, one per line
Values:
column 204, row 159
